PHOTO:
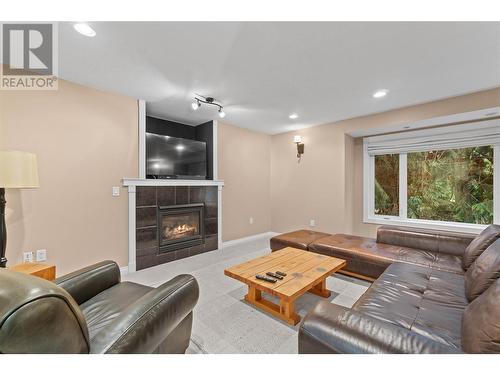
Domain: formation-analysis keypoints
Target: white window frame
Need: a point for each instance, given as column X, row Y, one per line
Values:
column 370, row 217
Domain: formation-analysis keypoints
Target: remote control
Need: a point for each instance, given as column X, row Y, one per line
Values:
column 265, row 278
column 274, row 275
column 280, row 273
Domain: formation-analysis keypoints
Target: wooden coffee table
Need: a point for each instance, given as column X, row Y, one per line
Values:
column 306, row 272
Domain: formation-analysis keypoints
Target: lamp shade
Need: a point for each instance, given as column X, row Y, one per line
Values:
column 18, row 170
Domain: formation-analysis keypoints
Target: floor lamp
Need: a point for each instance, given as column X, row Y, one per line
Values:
column 18, row 170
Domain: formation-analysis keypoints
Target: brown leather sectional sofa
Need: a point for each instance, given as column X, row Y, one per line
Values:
column 434, row 292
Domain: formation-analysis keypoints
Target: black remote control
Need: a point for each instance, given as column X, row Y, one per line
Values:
column 280, row 273
column 265, row 278
column 274, row 275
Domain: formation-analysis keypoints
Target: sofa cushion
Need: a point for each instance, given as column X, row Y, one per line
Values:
column 479, row 244
column 438, row 241
column 300, row 239
column 481, row 322
column 101, row 310
column 424, row 300
column 367, row 257
column 363, row 255
column 483, row 272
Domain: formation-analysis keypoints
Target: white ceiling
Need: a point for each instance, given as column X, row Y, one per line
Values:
column 262, row 72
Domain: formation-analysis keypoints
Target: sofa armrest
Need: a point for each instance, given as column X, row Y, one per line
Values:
column 438, row 241
column 145, row 324
column 331, row 328
column 88, row 282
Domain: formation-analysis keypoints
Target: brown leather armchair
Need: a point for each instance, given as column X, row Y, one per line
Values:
column 92, row 311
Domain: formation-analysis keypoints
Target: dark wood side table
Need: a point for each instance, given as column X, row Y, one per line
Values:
column 43, row 270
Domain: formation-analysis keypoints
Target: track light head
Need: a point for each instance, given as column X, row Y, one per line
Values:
column 222, row 114
column 195, row 105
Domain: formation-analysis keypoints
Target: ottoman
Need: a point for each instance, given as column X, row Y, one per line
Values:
column 300, row 239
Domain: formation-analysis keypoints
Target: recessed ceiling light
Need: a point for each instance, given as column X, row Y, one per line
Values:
column 380, row 93
column 180, row 147
column 84, row 29
column 293, row 116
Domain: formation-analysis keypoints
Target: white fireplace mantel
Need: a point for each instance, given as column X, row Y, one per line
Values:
column 132, row 183
column 169, row 182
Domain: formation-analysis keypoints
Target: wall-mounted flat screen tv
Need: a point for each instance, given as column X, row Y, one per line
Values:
column 171, row 157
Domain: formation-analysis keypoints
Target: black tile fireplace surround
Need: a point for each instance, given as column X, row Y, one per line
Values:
column 174, row 222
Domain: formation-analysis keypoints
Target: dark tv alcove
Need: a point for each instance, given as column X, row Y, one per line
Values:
column 202, row 132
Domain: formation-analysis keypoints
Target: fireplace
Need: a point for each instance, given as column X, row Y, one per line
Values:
column 180, row 226
column 175, row 222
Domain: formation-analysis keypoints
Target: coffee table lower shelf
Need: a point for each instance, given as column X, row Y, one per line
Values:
column 286, row 309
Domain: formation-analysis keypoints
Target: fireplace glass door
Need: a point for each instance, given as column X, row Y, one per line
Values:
column 180, row 226
column 177, row 227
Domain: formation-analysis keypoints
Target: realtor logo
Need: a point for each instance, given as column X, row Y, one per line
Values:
column 29, row 58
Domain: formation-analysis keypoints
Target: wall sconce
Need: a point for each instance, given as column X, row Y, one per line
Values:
column 300, row 146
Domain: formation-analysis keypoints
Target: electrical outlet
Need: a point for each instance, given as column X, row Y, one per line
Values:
column 312, row 223
column 116, row 191
column 41, row 255
column 28, row 257
column 250, row 220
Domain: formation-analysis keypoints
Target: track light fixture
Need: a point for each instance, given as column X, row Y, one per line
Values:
column 199, row 99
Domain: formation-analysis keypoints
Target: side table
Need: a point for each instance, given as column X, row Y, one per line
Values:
column 43, row 270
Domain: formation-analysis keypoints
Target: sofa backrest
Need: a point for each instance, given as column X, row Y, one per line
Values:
column 481, row 322
column 438, row 241
column 479, row 244
column 37, row 316
column 483, row 272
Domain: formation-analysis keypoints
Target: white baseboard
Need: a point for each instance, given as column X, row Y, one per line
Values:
column 124, row 271
column 249, row 238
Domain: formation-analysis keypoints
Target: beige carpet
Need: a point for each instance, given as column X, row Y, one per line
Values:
column 223, row 321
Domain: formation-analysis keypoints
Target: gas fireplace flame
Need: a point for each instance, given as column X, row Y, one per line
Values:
column 181, row 230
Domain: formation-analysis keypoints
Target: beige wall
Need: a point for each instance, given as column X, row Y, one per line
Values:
column 244, row 161
column 86, row 141
column 1, row 120
column 313, row 188
column 327, row 185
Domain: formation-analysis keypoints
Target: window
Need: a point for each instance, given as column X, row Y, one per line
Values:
column 451, row 185
column 432, row 179
column 387, row 185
